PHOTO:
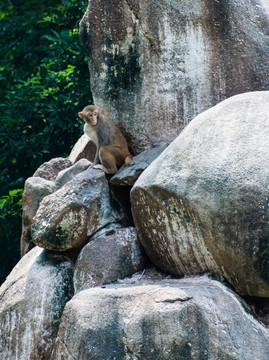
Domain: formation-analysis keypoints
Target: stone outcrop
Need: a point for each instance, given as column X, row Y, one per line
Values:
column 35, row 189
column 127, row 175
column 113, row 253
column 155, row 66
column 66, row 219
column 68, row 174
column 83, row 149
column 121, row 183
column 168, row 319
column 50, row 169
column 203, row 204
column 32, row 300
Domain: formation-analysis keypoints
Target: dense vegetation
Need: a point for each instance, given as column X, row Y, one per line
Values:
column 44, row 82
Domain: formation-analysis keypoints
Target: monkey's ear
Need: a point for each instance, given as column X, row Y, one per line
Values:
column 80, row 114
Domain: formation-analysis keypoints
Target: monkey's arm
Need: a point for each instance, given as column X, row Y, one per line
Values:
column 103, row 133
column 91, row 133
column 96, row 158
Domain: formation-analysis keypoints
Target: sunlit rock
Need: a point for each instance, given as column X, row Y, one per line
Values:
column 166, row 319
column 31, row 303
column 67, row 218
column 68, row 174
column 203, row 204
column 155, row 65
column 83, row 149
column 35, row 189
column 50, row 169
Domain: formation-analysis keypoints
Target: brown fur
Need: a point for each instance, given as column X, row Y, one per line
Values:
column 112, row 149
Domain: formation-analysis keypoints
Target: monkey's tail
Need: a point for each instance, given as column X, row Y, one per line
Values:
column 129, row 160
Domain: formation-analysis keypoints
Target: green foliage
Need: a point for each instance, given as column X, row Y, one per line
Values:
column 44, row 83
column 10, row 225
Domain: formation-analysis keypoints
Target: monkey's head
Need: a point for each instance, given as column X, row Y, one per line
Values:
column 90, row 114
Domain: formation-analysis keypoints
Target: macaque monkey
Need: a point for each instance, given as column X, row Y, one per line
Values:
column 112, row 150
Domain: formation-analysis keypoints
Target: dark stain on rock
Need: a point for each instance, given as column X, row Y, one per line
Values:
column 198, row 327
column 104, row 342
column 220, row 14
column 239, row 48
column 151, row 350
column 262, row 262
column 123, row 70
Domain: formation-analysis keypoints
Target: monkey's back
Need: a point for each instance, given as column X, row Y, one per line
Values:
column 109, row 134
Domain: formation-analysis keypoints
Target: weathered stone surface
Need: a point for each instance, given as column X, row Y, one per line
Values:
column 68, row 174
column 83, row 149
column 35, row 189
column 190, row 319
column 67, row 218
column 127, row 175
column 31, row 304
column 50, row 169
column 112, row 254
column 203, row 204
column 156, row 65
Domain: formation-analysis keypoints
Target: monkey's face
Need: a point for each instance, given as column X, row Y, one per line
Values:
column 90, row 115
column 94, row 117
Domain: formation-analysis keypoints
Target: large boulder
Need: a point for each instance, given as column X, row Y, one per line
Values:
column 154, row 66
column 121, row 183
column 35, row 189
column 203, row 204
column 167, row 319
column 32, row 300
column 67, row 218
column 112, row 254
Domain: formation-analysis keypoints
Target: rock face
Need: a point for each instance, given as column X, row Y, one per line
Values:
column 203, row 204
column 50, row 169
column 31, row 304
column 188, row 319
column 35, row 189
column 112, row 254
column 67, row 218
column 83, row 149
column 161, row 64
column 68, row 174
column 127, row 175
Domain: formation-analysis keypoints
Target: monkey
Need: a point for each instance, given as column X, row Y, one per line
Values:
column 112, row 149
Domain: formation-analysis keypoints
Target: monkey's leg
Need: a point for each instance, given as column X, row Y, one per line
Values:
column 96, row 158
column 101, row 167
column 108, row 160
column 129, row 160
